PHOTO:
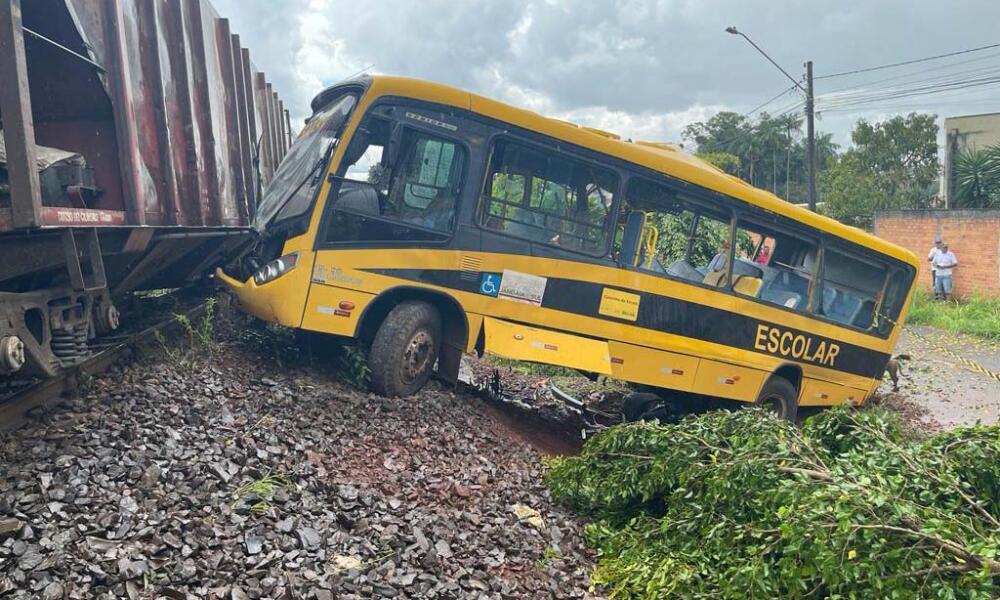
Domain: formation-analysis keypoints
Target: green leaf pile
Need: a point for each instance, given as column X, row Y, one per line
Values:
column 742, row 505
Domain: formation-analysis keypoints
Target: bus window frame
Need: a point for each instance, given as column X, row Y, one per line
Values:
column 859, row 253
column 472, row 199
column 399, row 106
column 788, row 228
column 739, row 209
column 695, row 202
column 483, row 201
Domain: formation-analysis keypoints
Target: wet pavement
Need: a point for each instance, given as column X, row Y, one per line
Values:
column 947, row 379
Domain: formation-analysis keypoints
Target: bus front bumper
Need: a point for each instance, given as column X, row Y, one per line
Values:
column 274, row 301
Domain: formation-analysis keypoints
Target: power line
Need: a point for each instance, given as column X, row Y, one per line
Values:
column 954, row 77
column 914, row 73
column 911, row 92
column 907, row 62
column 770, row 101
column 913, row 105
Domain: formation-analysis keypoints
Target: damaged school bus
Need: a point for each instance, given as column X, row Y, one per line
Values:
column 430, row 222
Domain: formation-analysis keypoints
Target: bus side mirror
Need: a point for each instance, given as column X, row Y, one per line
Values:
column 356, row 149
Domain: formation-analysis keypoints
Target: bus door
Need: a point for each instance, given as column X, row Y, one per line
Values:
column 399, row 201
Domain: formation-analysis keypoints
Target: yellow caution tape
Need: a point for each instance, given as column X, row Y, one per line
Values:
column 965, row 361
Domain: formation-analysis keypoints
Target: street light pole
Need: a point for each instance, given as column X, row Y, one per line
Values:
column 809, row 110
column 811, row 135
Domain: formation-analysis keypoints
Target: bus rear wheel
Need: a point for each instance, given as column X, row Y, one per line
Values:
column 780, row 397
column 405, row 348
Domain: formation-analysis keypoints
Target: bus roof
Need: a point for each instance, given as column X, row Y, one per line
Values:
column 665, row 158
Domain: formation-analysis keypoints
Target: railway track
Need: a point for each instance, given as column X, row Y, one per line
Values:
column 20, row 398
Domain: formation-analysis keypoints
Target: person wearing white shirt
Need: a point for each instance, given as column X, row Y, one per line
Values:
column 935, row 249
column 944, row 263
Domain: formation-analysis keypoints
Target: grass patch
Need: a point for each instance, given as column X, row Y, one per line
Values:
column 531, row 369
column 260, row 492
column 978, row 315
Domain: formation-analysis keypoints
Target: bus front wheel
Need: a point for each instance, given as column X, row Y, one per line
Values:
column 405, row 348
column 780, row 397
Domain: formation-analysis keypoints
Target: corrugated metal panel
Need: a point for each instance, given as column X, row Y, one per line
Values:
column 177, row 125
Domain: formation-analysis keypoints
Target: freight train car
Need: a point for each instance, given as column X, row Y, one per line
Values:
column 136, row 138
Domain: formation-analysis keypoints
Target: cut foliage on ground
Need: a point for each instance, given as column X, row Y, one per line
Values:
column 978, row 315
column 742, row 505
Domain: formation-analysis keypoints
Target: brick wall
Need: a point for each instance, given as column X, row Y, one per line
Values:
column 973, row 235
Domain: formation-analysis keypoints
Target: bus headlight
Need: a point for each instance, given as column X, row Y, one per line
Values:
column 276, row 268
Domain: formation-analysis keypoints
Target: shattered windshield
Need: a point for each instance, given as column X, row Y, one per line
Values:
column 291, row 190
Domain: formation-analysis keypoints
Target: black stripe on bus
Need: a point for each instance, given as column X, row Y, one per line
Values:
column 681, row 317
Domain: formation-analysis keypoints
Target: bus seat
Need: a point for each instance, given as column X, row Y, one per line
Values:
column 747, row 285
column 864, row 315
column 359, row 198
column 683, row 269
column 631, row 238
column 844, row 308
column 781, row 297
column 715, row 278
column 744, row 267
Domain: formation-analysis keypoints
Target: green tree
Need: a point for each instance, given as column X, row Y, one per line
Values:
column 901, row 153
column 977, row 178
column 851, row 194
column 769, row 149
column 730, row 163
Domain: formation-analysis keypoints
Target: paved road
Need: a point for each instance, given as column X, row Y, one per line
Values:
column 942, row 377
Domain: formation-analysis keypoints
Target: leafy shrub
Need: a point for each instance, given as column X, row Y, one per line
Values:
column 742, row 505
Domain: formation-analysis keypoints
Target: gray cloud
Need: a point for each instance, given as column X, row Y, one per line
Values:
column 646, row 66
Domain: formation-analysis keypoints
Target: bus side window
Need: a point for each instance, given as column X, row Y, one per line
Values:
column 660, row 209
column 851, row 289
column 773, row 265
column 413, row 200
column 543, row 197
column 892, row 303
column 708, row 249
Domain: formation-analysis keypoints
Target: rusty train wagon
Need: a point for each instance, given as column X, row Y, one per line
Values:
column 136, row 137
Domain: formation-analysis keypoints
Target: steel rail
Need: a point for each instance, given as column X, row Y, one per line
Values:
column 16, row 408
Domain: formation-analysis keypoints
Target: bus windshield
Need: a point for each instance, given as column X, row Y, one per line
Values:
column 293, row 187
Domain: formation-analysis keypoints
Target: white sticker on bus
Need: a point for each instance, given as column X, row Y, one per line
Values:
column 522, row 287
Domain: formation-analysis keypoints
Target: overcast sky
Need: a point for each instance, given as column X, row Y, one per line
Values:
column 642, row 68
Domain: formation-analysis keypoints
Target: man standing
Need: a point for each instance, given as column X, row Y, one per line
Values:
column 943, row 264
column 935, row 249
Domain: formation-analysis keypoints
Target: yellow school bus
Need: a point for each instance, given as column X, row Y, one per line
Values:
column 429, row 222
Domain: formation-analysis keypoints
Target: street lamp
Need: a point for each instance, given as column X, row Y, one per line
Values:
column 810, row 116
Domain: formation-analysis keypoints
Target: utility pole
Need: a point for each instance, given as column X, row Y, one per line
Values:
column 811, row 135
column 810, row 113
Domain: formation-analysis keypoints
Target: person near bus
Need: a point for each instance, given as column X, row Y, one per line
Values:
column 720, row 260
column 764, row 256
column 944, row 263
column 935, row 249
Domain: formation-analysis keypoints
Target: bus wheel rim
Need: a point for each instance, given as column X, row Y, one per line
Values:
column 773, row 403
column 416, row 356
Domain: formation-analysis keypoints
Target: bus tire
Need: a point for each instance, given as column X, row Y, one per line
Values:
column 405, row 348
column 780, row 397
column 637, row 404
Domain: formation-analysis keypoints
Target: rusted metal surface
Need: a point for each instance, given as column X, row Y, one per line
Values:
column 18, row 125
column 266, row 124
column 159, row 97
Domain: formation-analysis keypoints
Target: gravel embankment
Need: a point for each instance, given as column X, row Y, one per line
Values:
column 234, row 478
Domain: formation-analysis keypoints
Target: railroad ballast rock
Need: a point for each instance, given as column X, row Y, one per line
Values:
column 229, row 478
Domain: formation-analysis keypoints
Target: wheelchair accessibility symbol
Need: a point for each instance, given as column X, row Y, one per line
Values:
column 490, row 284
